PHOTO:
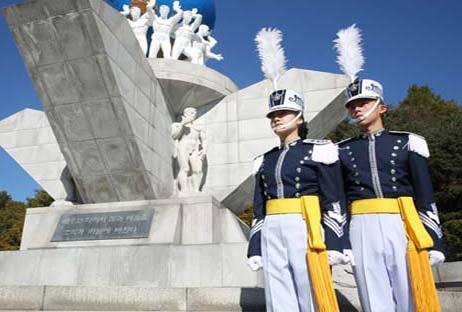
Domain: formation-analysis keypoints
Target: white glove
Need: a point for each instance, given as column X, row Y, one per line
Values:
column 349, row 258
column 436, row 257
column 254, row 263
column 335, row 257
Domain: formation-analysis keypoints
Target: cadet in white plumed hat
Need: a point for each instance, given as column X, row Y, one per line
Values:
column 386, row 178
column 292, row 181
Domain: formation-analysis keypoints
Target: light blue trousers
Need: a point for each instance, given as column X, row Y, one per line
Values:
column 284, row 243
column 379, row 248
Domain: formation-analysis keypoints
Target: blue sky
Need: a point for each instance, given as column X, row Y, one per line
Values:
column 405, row 42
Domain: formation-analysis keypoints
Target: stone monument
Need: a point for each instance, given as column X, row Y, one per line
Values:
column 115, row 126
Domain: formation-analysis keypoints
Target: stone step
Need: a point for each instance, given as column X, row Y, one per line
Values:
column 80, row 298
column 129, row 298
column 163, row 266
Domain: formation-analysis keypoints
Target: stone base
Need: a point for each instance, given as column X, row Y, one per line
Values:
column 165, row 266
column 61, row 298
column 194, row 244
column 149, row 278
column 167, row 277
column 65, row 298
column 193, row 260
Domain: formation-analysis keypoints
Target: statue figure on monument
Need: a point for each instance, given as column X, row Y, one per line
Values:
column 185, row 32
column 202, row 45
column 140, row 23
column 190, row 150
column 163, row 27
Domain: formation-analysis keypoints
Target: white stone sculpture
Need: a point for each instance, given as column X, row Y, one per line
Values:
column 190, row 149
column 185, row 32
column 140, row 23
column 163, row 27
column 202, row 45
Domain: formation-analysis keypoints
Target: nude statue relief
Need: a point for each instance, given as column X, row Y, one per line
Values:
column 190, row 150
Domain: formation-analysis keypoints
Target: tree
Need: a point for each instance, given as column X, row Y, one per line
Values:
column 12, row 215
column 247, row 215
column 343, row 131
column 452, row 231
column 40, row 199
column 440, row 122
column 4, row 198
column 11, row 223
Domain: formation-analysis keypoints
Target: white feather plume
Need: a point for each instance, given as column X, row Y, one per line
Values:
column 271, row 53
column 350, row 53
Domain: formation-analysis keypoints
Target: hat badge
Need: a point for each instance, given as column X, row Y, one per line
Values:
column 354, row 85
column 277, row 96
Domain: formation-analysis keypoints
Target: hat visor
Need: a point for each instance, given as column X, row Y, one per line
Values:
column 281, row 108
column 360, row 96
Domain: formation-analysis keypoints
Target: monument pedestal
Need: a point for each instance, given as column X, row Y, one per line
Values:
column 178, row 254
column 193, row 258
column 182, row 242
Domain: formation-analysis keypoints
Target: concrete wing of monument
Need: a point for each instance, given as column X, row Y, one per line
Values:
column 100, row 95
column 27, row 137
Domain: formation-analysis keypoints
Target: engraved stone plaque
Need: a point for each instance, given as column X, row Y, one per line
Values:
column 104, row 225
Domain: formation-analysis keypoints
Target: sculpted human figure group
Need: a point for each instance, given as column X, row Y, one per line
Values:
column 191, row 39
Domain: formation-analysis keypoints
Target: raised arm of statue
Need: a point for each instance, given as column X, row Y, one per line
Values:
column 179, row 13
column 177, row 7
column 197, row 20
column 125, row 10
column 150, row 14
column 211, row 42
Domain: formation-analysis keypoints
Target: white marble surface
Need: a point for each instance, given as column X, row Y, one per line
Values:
column 28, row 138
